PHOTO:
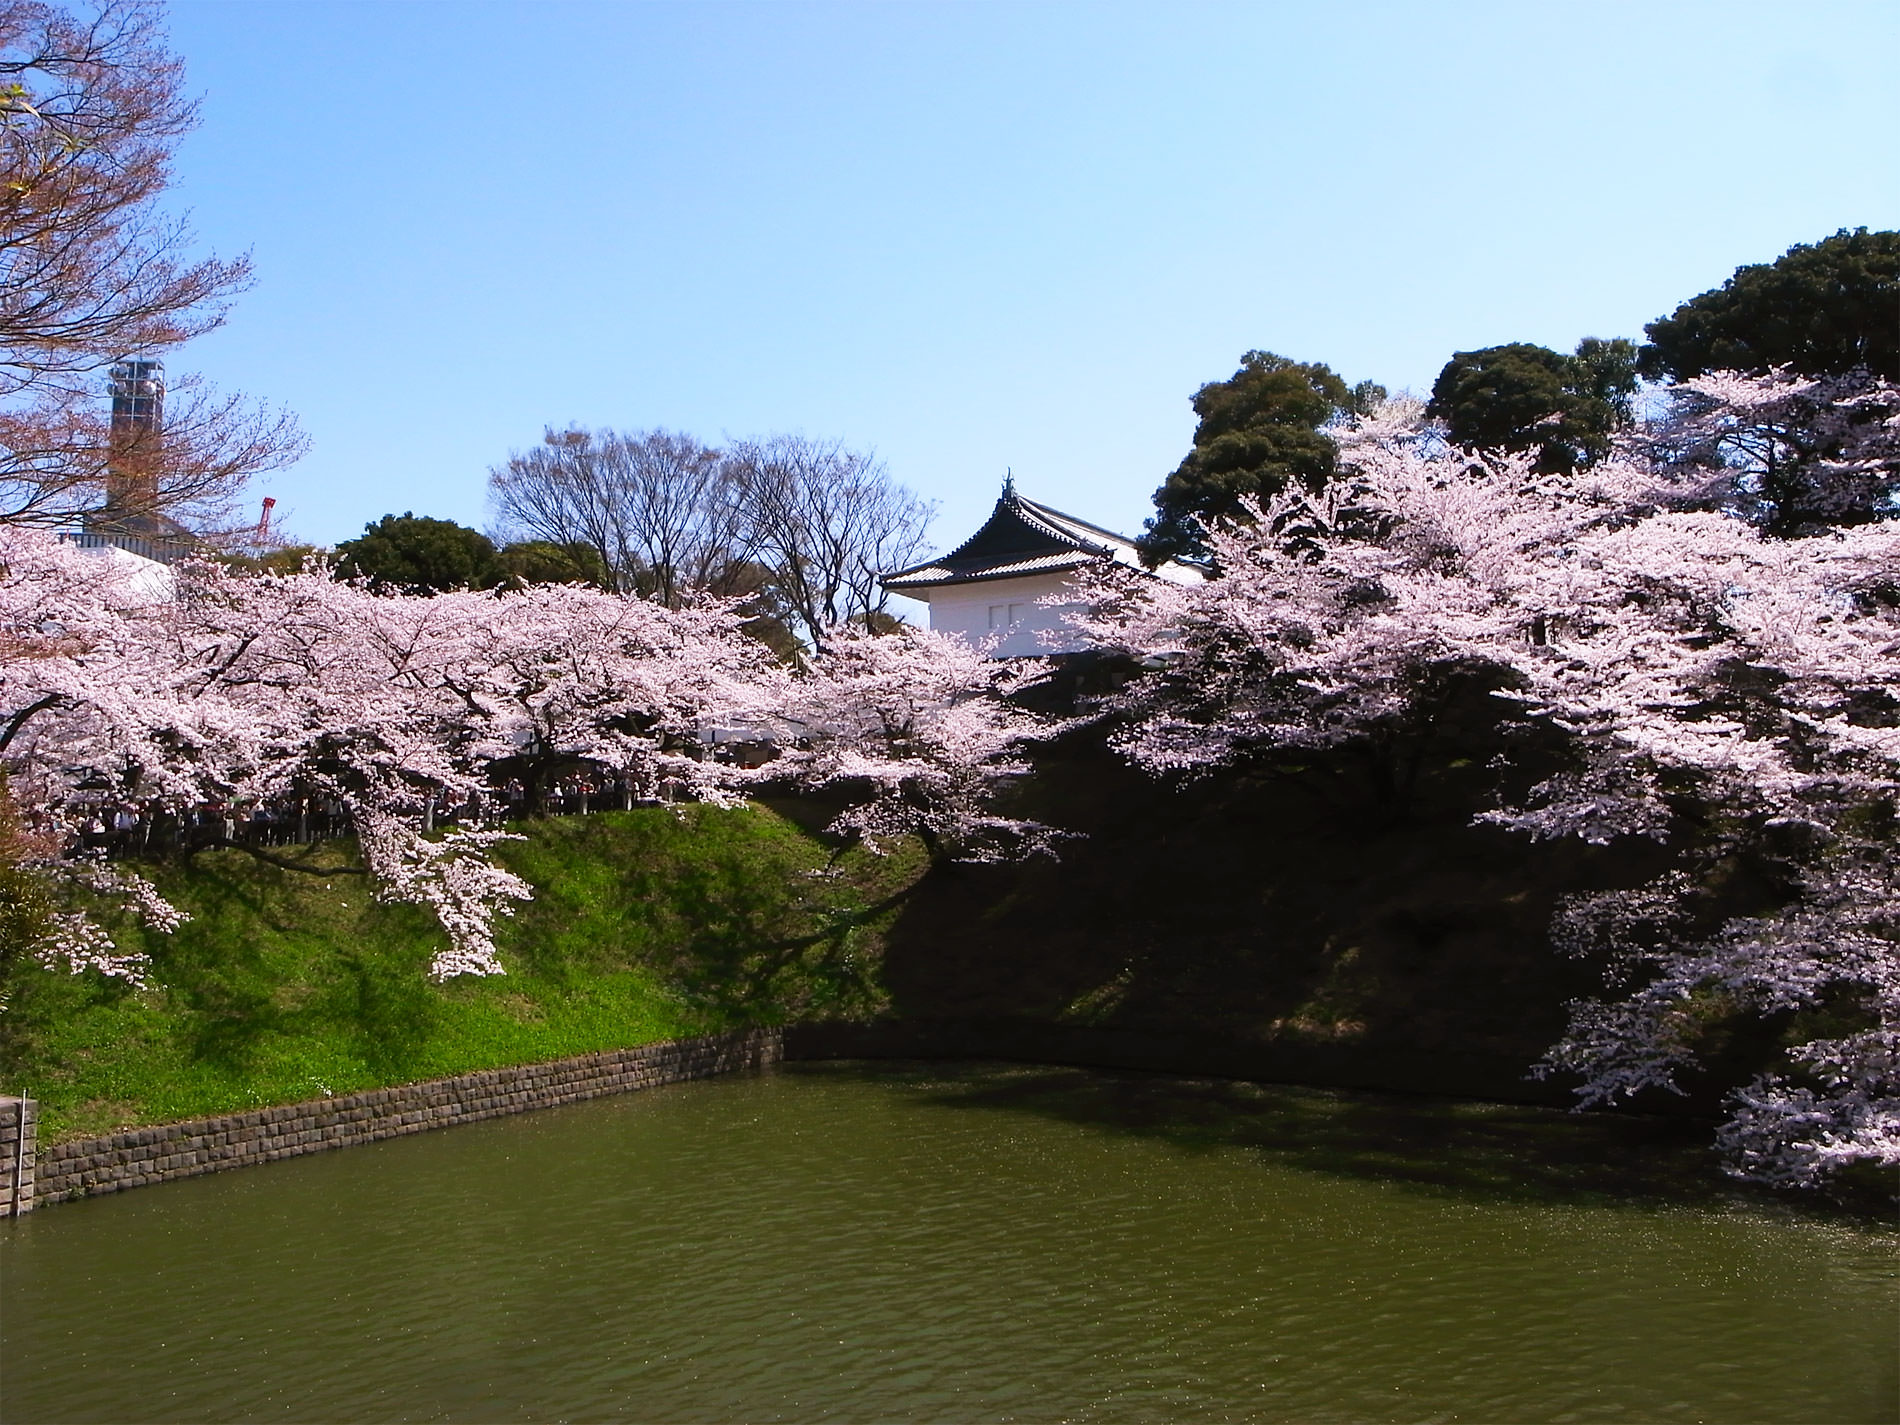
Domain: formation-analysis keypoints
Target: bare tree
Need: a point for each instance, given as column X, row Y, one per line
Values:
column 828, row 521
column 686, row 525
column 91, row 109
column 556, row 492
column 657, row 507
column 802, row 528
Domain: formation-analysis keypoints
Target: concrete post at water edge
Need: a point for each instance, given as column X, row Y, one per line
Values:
column 19, row 1124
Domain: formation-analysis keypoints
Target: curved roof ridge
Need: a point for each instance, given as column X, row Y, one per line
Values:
column 1065, row 521
column 1028, row 514
column 1019, row 536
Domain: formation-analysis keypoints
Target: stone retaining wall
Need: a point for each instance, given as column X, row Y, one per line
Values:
column 17, row 1125
column 140, row 1156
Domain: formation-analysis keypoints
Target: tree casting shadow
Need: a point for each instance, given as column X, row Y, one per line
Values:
column 1473, row 1150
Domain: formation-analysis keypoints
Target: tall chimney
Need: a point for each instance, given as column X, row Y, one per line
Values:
column 138, row 422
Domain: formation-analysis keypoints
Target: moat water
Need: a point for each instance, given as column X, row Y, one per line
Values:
column 954, row 1243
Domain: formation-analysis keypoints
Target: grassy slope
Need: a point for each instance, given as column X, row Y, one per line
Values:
column 284, row 986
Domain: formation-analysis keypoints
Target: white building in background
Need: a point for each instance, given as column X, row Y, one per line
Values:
column 150, row 580
column 993, row 583
column 127, row 534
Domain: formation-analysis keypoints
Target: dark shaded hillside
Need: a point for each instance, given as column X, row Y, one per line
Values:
column 1281, row 925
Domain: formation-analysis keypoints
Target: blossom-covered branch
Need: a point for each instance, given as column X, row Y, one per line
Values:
column 1691, row 655
column 916, row 727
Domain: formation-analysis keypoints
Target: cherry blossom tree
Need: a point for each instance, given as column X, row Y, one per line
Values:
column 1793, row 454
column 248, row 689
column 918, row 730
column 59, row 611
column 239, row 690
column 573, row 677
column 1721, row 690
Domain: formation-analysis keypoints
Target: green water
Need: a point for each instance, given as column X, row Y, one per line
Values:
column 957, row 1244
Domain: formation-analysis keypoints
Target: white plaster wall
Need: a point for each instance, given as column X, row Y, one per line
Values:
column 1006, row 606
column 147, row 579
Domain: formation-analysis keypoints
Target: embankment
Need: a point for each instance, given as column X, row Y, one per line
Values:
column 1283, row 925
column 140, row 1157
column 1279, row 926
column 286, row 986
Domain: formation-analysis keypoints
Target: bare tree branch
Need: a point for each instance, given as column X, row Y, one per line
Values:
column 656, row 506
column 828, row 521
column 91, row 110
column 805, row 526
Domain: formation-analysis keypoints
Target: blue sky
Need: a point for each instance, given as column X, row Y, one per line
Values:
column 972, row 236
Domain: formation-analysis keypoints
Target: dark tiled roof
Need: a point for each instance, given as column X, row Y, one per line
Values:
column 1021, row 537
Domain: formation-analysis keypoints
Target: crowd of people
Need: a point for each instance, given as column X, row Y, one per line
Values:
column 119, row 827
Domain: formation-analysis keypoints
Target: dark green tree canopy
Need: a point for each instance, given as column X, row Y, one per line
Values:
column 284, row 559
column 1525, row 397
column 1260, row 428
column 542, row 561
column 421, row 555
column 1824, row 309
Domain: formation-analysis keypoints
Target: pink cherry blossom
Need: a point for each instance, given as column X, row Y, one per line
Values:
column 1670, row 637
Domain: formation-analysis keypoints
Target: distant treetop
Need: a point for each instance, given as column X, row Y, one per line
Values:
column 1523, row 397
column 1259, row 429
column 415, row 554
column 1823, row 309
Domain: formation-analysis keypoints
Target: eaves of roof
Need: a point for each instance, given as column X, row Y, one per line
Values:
column 935, row 575
column 1019, row 537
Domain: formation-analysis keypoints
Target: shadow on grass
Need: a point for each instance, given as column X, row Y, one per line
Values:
column 386, row 1003
column 753, row 957
column 223, row 981
column 1467, row 1149
column 259, row 963
column 746, row 915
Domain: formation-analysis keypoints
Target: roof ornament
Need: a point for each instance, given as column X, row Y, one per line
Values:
column 1021, row 539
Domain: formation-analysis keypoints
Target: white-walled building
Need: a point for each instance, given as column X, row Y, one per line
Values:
column 993, row 582
column 152, row 581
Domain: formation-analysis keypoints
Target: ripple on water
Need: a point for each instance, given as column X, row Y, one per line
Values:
column 838, row 1244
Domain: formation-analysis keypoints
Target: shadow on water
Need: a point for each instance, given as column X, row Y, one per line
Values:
column 1471, row 1150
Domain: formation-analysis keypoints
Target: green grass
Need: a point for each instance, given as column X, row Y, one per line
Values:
column 285, row 986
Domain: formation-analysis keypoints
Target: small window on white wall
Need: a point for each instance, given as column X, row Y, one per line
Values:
column 1006, row 615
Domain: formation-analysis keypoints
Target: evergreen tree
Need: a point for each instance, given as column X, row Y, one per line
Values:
column 1526, row 398
column 415, row 554
column 1261, row 429
column 1822, row 309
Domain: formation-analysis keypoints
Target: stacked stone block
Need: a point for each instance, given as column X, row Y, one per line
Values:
column 17, row 1165
column 141, row 1156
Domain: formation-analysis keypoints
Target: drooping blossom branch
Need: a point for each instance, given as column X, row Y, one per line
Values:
column 917, row 728
column 451, row 875
column 1689, row 652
